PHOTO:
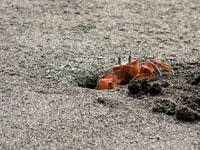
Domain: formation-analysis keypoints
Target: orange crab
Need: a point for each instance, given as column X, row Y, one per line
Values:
column 123, row 73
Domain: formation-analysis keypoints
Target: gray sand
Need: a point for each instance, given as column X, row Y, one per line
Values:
column 47, row 50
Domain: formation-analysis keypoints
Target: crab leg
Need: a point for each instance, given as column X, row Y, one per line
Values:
column 153, row 67
column 162, row 65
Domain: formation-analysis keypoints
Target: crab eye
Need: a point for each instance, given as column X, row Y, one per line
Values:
column 133, row 63
column 116, row 68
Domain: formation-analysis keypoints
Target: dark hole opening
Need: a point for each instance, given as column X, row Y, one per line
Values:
column 196, row 81
column 87, row 81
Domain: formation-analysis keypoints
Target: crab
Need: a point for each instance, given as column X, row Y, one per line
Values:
column 125, row 72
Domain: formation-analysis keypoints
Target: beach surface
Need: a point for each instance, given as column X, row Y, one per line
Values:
column 52, row 54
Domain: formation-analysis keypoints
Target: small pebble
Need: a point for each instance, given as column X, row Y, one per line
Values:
column 101, row 100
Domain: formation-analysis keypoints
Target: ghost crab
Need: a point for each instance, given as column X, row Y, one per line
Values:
column 123, row 73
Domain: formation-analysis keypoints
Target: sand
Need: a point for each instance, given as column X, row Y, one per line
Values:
column 52, row 54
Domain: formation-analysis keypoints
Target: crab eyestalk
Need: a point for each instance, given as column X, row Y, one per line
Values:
column 119, row 59
column 129, row 57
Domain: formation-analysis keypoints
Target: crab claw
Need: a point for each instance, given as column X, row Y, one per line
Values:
column 107, row 82
column 144, row 72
